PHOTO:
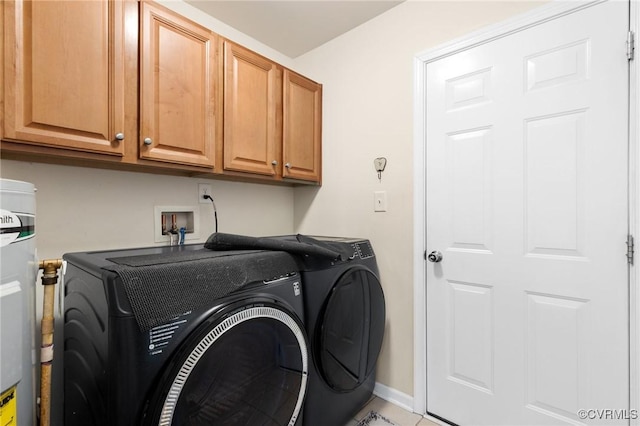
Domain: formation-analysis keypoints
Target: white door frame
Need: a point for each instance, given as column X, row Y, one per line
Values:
column 518, row 23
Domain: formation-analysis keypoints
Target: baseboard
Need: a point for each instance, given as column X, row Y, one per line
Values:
column 394, row 396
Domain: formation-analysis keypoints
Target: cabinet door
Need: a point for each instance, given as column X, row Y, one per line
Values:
column 64, row 74
column 252, row 104
column 178, row 80
column 302, row 128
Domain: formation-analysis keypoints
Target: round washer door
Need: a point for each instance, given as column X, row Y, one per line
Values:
column 349, row 334
column 247, row 367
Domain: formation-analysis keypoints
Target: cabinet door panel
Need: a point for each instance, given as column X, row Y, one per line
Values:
column 64, row 74
column 302, row 128
column 251, row 112
column 178, row 89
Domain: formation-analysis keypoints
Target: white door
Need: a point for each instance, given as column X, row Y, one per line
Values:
column 527, row 312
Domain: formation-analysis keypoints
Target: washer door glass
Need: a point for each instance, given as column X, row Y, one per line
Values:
column 248, row 369
column 351, row 330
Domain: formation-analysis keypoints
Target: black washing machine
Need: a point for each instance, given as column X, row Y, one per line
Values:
column 345, row 320
column 184, row 336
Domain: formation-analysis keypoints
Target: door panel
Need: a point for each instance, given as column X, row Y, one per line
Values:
column 527, row 313
column 556, row 231
column 469, row 160
column 556, row 335
column 471, row 322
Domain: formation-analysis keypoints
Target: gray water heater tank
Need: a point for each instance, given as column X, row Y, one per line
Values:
column 18, row 270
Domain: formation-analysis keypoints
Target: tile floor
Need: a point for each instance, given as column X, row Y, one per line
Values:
column 396, row 414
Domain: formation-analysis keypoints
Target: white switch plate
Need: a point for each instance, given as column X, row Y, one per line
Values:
column 380, row 201
column 204, row 189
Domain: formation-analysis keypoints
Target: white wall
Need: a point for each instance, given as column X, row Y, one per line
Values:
column 367, row 113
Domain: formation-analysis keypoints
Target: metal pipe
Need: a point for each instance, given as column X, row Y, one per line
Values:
column 49, row 280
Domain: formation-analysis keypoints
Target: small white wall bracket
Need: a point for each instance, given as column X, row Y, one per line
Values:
column 380, row 163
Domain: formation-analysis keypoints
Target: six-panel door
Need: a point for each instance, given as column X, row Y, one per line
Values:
column 527, row 312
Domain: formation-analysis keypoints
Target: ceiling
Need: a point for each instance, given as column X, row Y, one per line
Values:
column 293, row 27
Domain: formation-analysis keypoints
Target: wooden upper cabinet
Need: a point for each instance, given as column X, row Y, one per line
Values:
column 149, row 87
column 302, row 128
column 64, row 74
column 179, row 120
column 252, row 117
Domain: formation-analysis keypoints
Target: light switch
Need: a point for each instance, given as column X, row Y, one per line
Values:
column 380, row 201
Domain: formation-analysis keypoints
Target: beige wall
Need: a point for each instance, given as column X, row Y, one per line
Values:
column 81, row 209
column 368, row 113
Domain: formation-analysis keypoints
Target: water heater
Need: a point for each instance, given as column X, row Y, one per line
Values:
column 18, row 269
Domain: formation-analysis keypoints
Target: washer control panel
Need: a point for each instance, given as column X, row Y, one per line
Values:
column 363, row 250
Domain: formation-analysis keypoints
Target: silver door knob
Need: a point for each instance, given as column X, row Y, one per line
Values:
column 287, row 165
column 148, row 141
column 120, row 136
column 435, row 256
column 274, row 163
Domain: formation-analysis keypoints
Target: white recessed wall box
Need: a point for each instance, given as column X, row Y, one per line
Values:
column 171, row 218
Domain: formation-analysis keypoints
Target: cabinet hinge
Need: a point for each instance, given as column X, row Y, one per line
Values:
column 424, row 255
column 630, row 249
column 630, row 45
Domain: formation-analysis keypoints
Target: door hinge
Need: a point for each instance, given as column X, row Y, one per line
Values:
column 630, row 249
column 630, row 45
